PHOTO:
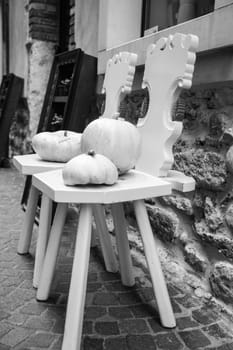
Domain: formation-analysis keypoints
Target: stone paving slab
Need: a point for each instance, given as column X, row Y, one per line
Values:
column 116, row 317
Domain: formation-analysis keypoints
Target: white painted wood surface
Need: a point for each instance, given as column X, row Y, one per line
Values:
column 105, row 240
column 50, row 258
column 131, row 186
column 156, row 273
column 29, row 164
column 169, row 67
column 28, row 222
column 78, row 284
column 118, row 81
column 120, row 226
column 43, row 235
column 180, row 182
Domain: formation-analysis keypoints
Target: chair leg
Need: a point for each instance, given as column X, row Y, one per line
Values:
column 105, row 240
column 77, row 293
column 122, row 245
column 93, row 237
column 26, row 234
column 51, row 252
column 43, row 233
column 158, row 281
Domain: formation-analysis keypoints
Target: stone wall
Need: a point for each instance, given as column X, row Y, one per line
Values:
column 196, row 229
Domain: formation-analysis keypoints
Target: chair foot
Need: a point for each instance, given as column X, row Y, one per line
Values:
column 22, row 254
column 125, row 261
column 29, row 217
column 158, row 281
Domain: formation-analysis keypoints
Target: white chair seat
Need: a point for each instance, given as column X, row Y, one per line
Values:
column 131, row 186
column 30, row 164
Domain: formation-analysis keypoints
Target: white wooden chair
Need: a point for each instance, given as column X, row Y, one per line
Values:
column 169, row 67
column 28, row 165
column 121, row 66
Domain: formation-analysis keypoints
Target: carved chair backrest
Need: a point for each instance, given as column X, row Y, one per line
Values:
column 118, row 81
column 169, row 67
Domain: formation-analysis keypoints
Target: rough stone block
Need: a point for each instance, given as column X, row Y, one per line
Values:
column 186, row 322
column 129, row 298
column 133, row 326
column 95, row 312
column 139, row 342
column 40, row 340
column 220, row 240
column 206, row 167
column 116, row 343
column 216, row 331
column 105, row 299
column 213, row 215
column 195, row 257
column 107, row 328
column 194, row 339
column 217, row 124
column 93, row 343
column 221, row 280
column 205, row 315
column 87, row 327
column 168, row 341
column 164, row 222
column 229, row 216
column 15, row 336
column 120, row 312
column 180, row 202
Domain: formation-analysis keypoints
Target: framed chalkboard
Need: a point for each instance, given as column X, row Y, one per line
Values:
column 10, row 92
column 69, row 95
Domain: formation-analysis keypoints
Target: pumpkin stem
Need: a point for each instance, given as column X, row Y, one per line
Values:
column 65, row 132
column 91, row 153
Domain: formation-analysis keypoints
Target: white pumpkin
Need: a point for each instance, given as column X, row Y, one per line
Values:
column 117, row 139
column 57, row 146
column 89, row 168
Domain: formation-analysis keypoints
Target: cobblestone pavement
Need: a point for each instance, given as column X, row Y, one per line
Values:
column 116, row 317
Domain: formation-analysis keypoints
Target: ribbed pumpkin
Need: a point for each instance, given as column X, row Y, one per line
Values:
column 89, row 168
column 57, row 146
column 117, row 139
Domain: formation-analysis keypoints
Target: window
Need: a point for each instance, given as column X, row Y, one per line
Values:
column 161, row 14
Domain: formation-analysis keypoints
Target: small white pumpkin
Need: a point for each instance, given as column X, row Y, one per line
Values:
column 89, row 168
column 116, row 139
column 57, row 146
